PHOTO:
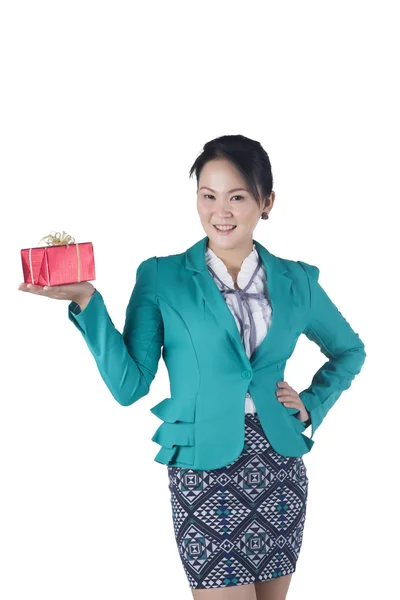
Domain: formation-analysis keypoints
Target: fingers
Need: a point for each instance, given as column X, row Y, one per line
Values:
column 287, row 395
column 284, row 384
column 285, row 389
column 290, row 393
column 28, row 287
column 68, row 291
column 49, row 291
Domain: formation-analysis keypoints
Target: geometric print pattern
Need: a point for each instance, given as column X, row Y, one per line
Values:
column 244, row 522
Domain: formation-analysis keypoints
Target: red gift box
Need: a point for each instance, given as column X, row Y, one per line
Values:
column 63, row 261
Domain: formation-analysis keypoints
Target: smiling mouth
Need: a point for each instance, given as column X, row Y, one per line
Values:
column 224, row 228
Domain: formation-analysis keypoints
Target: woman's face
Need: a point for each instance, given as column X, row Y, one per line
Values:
column 220, row 202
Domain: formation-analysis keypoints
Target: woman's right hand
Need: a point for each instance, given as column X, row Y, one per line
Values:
column 75, row 292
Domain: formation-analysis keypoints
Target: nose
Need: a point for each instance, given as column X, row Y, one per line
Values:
column 222, row 207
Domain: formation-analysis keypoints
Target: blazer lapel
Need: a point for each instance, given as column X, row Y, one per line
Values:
column 278, row 288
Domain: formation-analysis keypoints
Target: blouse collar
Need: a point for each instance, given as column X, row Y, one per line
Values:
column 246, row 270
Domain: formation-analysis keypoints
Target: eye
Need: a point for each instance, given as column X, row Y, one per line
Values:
column 211, row 196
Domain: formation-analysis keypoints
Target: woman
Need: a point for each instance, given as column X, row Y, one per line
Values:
column 228, row 314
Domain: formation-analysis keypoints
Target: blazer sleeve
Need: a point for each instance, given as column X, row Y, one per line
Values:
column 343, row 347
column 127, row 362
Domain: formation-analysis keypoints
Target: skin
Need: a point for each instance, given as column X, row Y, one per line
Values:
column 77, row 292
column 215, row 206
column 276, row 589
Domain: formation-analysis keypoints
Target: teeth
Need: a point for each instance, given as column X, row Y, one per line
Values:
column 225, row 227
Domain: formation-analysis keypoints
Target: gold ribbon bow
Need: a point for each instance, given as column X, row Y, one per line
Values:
column 56, row 238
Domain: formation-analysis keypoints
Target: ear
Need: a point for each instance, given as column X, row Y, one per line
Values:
column 269, row 201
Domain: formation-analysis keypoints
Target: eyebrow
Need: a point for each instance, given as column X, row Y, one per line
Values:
column 229, row 191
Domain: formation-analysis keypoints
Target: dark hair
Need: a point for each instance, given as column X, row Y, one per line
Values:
column 246, row 154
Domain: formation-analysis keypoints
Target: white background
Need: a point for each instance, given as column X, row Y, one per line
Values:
column 104, row 107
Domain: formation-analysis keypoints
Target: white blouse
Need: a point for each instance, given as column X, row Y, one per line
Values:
column 260, row 308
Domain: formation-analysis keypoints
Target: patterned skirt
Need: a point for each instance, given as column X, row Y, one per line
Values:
column 242, row 523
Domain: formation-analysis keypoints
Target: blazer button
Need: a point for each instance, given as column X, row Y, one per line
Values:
column 246, row 374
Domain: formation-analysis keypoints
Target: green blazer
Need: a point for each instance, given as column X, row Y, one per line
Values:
column 177, row 310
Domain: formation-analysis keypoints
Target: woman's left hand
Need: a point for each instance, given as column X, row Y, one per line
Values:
column 290, row 398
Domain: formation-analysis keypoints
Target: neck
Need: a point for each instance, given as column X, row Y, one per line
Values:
column 232, row 257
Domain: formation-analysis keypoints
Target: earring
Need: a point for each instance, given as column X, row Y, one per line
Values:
column 264, row 215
